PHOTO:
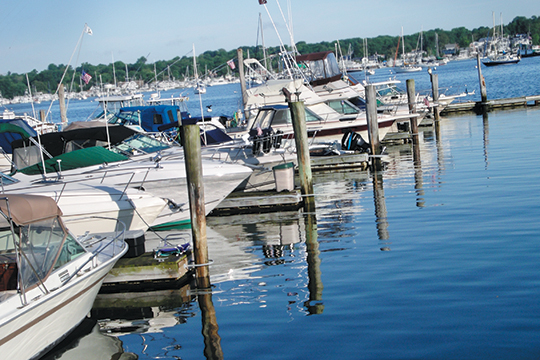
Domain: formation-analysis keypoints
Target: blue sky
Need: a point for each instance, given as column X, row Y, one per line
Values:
column 36, row 33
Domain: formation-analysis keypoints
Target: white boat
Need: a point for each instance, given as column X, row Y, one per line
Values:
column 407, row 69
column 49, row 278
column 88, row 203
column 136, row 162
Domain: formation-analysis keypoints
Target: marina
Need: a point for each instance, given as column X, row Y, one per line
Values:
column 434, row 253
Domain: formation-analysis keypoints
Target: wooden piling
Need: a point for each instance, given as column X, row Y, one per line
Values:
column 373, row 125
column 62, row 103
column 298, row 115
column 411, row 97
column 42, row 115
column 482, row 81
column 435, row 92
column 243, row 88
column 193, row 163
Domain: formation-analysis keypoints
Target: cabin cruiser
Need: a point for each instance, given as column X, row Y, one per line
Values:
column 131, row 161
column 49, row 278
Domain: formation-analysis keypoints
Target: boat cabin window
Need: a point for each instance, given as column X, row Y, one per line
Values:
column 126, row 118
column 343, row 107
column 6, row 241
column 170, row 115
column 158, row 119
column 263, row 119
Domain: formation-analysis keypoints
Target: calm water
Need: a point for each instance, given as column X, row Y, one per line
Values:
column 438, row 260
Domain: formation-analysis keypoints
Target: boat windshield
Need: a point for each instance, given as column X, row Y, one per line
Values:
column 45, row 246
column 139, row 143
column 7, row 180
column 343, row 107
column 126, row 118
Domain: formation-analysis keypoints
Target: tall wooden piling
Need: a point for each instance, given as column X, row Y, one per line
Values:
column 482, row 81
column 373, row 125
column 193, row 163
column 62, row 103
column 243, row 88
column 298, row 116
column 411, row 97
column 42, row 115
column 435, row 92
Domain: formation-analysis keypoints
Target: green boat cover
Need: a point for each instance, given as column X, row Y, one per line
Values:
column 75, row 159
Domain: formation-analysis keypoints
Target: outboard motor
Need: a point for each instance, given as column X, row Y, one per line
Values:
column 354, row 142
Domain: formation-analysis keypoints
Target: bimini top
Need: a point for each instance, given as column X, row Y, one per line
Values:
column 26, row 209
column 323, row 67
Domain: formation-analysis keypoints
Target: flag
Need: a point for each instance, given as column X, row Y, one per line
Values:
column 426, row 101
column 87, row 29
column 86, row 77
column 231, row 64
column 262, row 2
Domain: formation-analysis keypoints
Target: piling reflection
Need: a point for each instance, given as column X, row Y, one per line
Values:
column 486, row 137
column 418, row 180
column 380, row 210
column 212, row 340
column 315, row 286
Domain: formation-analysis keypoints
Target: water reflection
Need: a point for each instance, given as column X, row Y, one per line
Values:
column 212, row 340
column 87, row 342
column 485, row 121
column 418, row 174
column 145, row 314
column 381, row 214
column 314, row 305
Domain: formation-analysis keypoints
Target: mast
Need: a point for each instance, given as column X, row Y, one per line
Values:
column 114, row 72
column 262, row 39
column 403, row 45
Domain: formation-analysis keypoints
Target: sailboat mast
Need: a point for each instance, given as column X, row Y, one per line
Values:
column 403, row 45
column 262, row 39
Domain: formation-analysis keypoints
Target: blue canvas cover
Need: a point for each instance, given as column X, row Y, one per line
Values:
column 14, row 129
column 152, row 118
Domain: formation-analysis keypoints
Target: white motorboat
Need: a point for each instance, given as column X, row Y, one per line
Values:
column 49, row 278
column 138, row 162
column 87, row 203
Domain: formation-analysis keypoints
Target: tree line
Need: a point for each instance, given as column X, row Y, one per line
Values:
column 215, row 62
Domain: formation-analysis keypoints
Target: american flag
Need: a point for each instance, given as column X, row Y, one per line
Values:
column 231, row 64
column 86, row 77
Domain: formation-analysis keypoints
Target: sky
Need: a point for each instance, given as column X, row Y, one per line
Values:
column 36, row 33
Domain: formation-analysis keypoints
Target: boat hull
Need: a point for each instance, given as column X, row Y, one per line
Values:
column 34, row 329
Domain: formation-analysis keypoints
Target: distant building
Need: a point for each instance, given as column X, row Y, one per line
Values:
column 451, row 49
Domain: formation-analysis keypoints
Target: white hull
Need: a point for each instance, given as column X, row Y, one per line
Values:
column 85, row 204
column 29, row 331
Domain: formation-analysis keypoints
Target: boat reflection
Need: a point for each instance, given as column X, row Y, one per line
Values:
column 87, row 342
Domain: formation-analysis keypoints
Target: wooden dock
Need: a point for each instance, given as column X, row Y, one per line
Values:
column 492, row 105
column 250, row 202
column 144, row 273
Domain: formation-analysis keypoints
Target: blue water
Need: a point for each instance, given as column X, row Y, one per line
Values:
column 438, row 260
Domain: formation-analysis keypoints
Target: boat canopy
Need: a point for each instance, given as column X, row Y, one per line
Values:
column 321, row 67
column 65, row 141
column 14, row 129
column 151, row 118
column 26, row 209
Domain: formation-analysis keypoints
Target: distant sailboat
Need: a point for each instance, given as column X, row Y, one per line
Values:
column 405, row 68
